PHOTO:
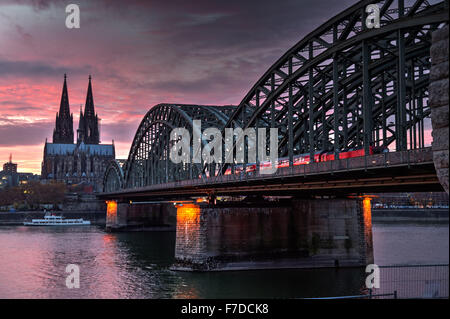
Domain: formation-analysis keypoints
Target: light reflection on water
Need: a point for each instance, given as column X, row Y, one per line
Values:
column 136, row 265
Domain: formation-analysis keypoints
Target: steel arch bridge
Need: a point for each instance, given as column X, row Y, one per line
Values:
column 343, row 86
column 148, row 162
column 113, row 177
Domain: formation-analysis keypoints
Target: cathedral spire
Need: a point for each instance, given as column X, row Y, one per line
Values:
column 63, row 132
column 80, row 131
column 88, row 131
column 64, row 109
column 89, row 107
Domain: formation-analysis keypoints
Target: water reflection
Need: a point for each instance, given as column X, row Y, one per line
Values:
column 368, row 237
column 136, row 265
column 111, row 212
column 287, row 283
column 188, row 228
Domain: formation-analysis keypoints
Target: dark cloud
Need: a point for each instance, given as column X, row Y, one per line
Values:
column 16, row 104
column 40, row 69
column 24, row 134
column 226, row 24
column 16, row 133
column 25, row 35
column 119, row 132
column 37, row 5
column 203, row 46
column 35, row 133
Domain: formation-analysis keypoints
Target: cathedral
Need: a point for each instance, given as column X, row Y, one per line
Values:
column 85, row 161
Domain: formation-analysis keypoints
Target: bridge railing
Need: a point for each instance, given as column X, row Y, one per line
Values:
column 376, row 161
column 406, row 282
column 391, row 159
column 368, row 296
column 414, row 281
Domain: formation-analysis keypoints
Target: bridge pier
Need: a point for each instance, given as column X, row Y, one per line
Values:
column 439, row 103
column 129, row 216
column 306, row 233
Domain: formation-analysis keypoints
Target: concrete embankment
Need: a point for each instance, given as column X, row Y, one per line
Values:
column 425, row 215
column 17, row 218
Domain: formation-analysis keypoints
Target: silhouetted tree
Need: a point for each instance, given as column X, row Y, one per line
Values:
column 33, row 194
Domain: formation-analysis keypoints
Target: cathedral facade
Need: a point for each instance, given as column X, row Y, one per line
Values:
column 83, row 162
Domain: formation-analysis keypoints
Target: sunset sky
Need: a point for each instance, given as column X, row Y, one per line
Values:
column 140, row 53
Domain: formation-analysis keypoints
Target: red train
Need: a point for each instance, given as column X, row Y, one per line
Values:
column 305, row 159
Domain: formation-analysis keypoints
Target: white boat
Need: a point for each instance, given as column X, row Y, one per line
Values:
column 51, row 220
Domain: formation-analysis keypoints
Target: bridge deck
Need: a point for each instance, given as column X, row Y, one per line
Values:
column 396, row 171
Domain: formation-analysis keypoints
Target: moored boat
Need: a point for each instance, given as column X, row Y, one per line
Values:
column 52, row 220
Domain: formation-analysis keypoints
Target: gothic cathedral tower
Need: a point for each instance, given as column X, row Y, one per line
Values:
column 63, row 132
column 84, row 162
column 88, row 131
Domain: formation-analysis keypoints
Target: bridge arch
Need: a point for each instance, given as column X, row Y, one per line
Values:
column 113, row 179
column 148, row 161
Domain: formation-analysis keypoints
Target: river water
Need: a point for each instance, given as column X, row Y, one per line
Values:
column 136, row 265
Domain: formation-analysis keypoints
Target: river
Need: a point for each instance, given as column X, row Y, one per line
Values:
column 136, row 265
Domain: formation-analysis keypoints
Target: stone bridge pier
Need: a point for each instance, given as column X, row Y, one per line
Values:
column 299, row 233
column 305, row 233
column 439, row 102
column 129, row 216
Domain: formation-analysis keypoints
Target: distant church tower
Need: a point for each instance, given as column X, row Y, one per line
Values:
column 88, row 131
column 63, row 132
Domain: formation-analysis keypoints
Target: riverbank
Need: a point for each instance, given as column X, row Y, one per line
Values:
column 410, row 214
column 17, row 218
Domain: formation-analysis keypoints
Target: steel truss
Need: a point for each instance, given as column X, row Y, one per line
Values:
column 148, row 162
column 113, row 179
column 342, row 87
column 345, row 86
